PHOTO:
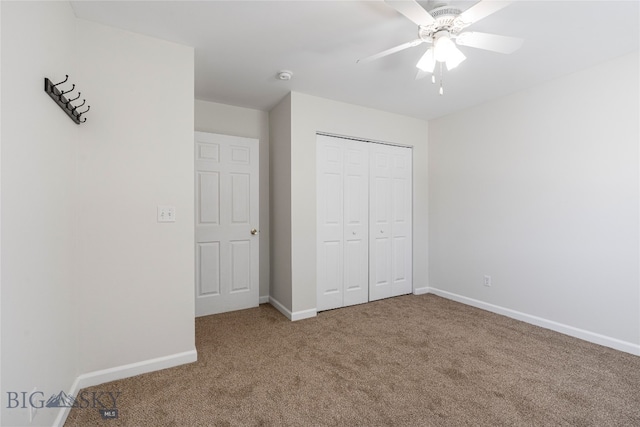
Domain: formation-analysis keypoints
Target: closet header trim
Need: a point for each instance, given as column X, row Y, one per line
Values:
column 352, row 138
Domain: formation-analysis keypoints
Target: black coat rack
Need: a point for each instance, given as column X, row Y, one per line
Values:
column 64, row 101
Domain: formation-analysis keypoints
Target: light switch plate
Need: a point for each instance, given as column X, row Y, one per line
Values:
column 166, row 214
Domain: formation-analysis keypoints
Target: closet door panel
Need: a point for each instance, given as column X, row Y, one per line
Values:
column 356, row 223
column 380, row 217
column 401, row 211
column 356, row 284
column 330, row 276
column 330, row 218
column 364, row 216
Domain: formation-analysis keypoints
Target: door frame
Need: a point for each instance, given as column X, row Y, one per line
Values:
column 254, row 220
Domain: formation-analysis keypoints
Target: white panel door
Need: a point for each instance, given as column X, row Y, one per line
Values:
column 356, row 222
column 401, row 215
column 380, row 237
column 390, row 252
column 330, row 220
column 342, row 222
column 227, row 240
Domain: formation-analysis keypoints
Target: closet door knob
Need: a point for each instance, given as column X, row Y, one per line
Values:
column 254, row 231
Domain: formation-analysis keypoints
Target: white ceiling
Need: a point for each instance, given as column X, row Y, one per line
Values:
column 241, row 45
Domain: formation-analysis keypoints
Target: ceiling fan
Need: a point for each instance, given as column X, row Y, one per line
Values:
column 442, row 27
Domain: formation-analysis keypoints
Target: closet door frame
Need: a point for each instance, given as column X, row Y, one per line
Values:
column 380, row 240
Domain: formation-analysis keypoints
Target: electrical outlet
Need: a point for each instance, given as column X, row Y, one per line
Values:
column 487, row 280
column 166, row 214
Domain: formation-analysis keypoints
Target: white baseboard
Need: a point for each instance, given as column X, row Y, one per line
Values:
column 582, row 334
column 293, row 316
column 421, row 291
column 304, row 314
column 125, row 371
column 281, row 308
column 263, row 299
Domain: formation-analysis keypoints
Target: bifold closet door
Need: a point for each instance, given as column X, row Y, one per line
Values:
column 342, row 218
column 390, row 252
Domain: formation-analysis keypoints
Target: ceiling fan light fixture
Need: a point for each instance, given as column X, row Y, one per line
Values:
column 441, row 27
column 443, row 46
column 455, row 58
column 427, row 62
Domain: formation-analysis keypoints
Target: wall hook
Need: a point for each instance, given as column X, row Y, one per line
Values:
column 59, row 98
column 76, row 107
column 73, row 86
column 81, row 113
column 77, row 97
column 66, row 77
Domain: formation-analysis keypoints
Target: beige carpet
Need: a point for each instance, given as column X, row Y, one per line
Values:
column 412, row 360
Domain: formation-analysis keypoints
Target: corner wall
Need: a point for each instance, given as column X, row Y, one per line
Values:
column 39, row 186
column 540, row 191
column 280, row 208
column 245, row 122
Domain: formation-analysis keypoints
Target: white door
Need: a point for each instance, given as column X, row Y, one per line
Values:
column 356, row 223
column 342, row 218
column 390, row 265
column 226, row 169
column 401, row 221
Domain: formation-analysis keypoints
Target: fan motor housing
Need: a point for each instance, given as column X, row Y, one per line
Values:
column 445, row 11
column 445, row 19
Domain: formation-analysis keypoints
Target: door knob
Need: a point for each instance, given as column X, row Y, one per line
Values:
column 254, row 231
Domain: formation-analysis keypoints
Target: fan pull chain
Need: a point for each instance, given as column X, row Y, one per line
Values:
column 433, row 75
column 441, row 88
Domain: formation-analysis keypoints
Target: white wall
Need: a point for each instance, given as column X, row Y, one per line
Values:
column 39, row 152
column 280, row 195
column 136, row 152
column 311, row 114
column 93, row 288
column 229, row 120
column 540, row 191
column 1, row 390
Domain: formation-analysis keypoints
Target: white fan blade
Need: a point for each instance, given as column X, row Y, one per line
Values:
column 481, row 10
column 412, row 10
column 403, row 46
column 421, row 74
column 427, row 62
column 493, row 42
